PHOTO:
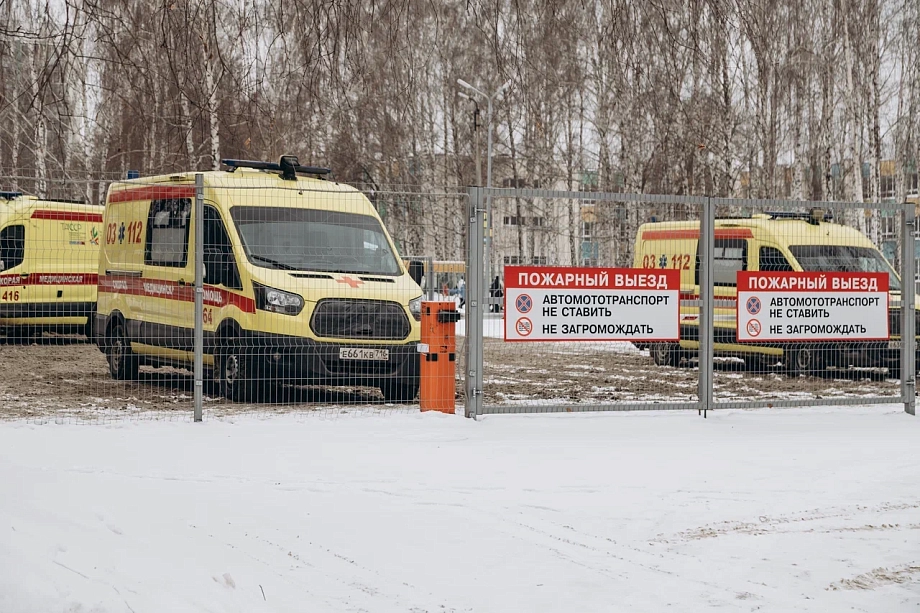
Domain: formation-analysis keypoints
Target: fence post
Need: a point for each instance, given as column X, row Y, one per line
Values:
column 908, row 309
column 429, row 276
column 199, row 292
column 707, row 305
column 476, row 291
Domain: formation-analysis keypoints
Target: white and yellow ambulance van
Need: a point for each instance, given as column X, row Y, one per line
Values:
column 302, row 282
column 49, row 253
column 773, row 242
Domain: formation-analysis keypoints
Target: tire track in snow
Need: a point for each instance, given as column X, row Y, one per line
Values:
column 357, row 577
column 628, row 555
column 879, row 577
column 774, row 525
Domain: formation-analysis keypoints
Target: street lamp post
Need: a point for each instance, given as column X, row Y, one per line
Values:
column 488, row 246
column 476, row 126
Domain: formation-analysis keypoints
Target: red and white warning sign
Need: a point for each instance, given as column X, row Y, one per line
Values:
column 812, row 306
column 591, row 304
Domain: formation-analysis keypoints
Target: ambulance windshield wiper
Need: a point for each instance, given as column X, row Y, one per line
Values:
column 276, row 263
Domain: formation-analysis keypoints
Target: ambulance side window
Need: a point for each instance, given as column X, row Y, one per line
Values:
column 219, row 263
column 167, row 232
column 730, row 257
column 773, row 260
column 12, row 246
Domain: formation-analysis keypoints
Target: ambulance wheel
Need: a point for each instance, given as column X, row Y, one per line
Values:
column 399, row 391
column 803, row 360
column 665, row 354
column 123, row 364
column 237, row 379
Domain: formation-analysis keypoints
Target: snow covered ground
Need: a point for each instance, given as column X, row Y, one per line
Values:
column 782, row 510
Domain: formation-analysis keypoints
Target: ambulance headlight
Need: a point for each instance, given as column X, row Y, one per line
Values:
column 415, row 307
column 277, row 301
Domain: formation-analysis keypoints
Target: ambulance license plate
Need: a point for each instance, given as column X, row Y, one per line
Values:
column 361, row 353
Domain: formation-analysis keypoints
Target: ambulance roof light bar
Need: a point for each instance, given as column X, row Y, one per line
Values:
column 288, row 166
column 813, row 216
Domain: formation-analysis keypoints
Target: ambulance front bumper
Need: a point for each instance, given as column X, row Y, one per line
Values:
column 310, row 362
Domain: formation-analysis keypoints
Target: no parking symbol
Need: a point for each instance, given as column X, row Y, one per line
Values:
column 753, row 306
column 523, row 303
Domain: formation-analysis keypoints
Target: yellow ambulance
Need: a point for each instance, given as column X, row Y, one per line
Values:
column 49, row 253
column 302, row 283
column 773, row 242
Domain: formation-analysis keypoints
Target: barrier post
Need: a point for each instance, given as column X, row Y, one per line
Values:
column 908, row 309
column 439, row 356
column 707, row 305
column 477, row 298
column 199, row 293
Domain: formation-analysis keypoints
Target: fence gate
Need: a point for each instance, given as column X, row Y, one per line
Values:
column 612, row 302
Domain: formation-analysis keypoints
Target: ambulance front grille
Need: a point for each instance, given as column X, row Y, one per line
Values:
column 360, row 319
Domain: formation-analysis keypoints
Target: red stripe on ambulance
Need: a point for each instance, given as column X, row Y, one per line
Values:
column 170, row 290
column 49, row 278
column 67, row 216
column 694, row 234
column 152, row 192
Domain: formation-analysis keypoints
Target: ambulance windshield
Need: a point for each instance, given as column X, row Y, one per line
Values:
column 843, row 258
column 310, row 239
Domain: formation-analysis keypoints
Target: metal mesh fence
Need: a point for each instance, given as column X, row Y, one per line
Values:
column 305, row 296
column 811, row 310
column 804, row 301
column 308, row 295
